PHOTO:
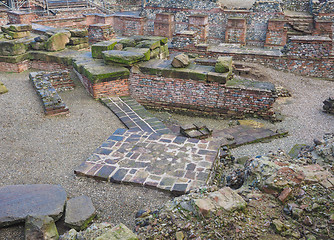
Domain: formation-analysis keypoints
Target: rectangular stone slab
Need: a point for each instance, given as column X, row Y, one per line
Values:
column 145, row 51
column 79, row 32
column 17, row 27
column 122, row 57
column 96, row 71
column 99, row 47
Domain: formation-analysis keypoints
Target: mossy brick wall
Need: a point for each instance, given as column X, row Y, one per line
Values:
column 118, row 87
column 198, row 96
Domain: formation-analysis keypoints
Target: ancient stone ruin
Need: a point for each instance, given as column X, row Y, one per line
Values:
column 145, row 60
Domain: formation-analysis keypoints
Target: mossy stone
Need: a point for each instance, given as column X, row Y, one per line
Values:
column 145, row 51
column 12, row 48
column 223, row 65
column 128, row 42
column 119, row 232
column 16, row 35
column 122, row 57
column 151, row 44
column 99, row 47
column 79, row 33
column 78, row 40
column 57, row 42
column 3, row 89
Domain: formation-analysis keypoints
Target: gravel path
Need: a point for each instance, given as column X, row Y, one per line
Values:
column 38, row 149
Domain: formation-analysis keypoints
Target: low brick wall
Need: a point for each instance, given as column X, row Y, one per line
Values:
column 202, row 97
column 118, row 87
column 14, row 67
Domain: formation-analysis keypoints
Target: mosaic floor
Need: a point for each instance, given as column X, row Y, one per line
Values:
column 149, row 154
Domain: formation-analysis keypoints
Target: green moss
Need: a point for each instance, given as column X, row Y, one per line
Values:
column 122, row 57
column 145, row 51
column 98, row 48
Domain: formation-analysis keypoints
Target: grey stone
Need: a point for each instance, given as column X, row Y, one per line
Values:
column 19, row 201
column 120, row 232
column 40, row 228
column 180, row 61
column 79, row 212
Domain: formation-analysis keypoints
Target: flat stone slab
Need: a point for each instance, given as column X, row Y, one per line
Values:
column 96, row 71
column 168, row 162
column 80, row 211
column 134, row 116
column 19, row 201
column 122, row 57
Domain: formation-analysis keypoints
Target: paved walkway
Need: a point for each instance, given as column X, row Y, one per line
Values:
column 168, row 162
column 134, row 116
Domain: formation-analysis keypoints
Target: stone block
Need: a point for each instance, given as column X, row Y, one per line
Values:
column 96, row 71
column 181, row 61
column 20, row 201
column 57, row 42
column 12, row 48
column 78, row 46
column 122, row 57
column 3, row 89
column 99, row 47
column 127, row 42
column 40, row 228
column 219, row 77
column 79, row 212
column 78, row 40
column 151, row 44
column 37, row 45
column 16, row 35
column 79, row 33
column 120, row 232
column 17, row 28
column 145, row 51
column 223, row 65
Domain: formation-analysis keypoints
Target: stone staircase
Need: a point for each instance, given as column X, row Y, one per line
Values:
column 299, row 23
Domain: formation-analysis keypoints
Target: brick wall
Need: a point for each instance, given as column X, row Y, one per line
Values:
column 236, row 31
column 3, row 18
column 21, row 17
column 164, row 25
column 297, row 5
column 118, row 87
column 276, row 34
column 14, row 67
column 309, row 46
column 197, row 96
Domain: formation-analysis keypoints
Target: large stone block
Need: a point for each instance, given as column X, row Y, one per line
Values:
column 17, row 28
column 80, row 211
column 99, row 47
column 12, row 48
column 79, row 32
column 57, row 42
column 19, row 201
column 145, row 51
column 96, row 71
column 181, row 61
column 151, row 44
column 224, row 65
column 40, row 228
column 78, row 40
column 122, row 57
column 120, row 232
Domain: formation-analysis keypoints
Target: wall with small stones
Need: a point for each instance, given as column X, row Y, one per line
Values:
column 196, row 96
column 52, row 102
column 60, row 80
column 297, row 5
column 256, row 18
column 309, row 47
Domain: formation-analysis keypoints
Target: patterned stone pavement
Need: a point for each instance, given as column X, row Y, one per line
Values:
column 167, row 161
column 134, row 116
column 148, row 154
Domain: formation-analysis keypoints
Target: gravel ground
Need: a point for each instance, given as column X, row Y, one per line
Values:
column 38, row 149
